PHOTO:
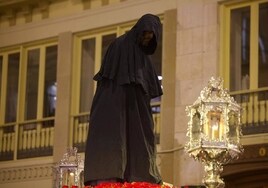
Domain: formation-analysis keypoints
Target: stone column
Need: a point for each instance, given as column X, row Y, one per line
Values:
column 168, row 99
column 62, row 116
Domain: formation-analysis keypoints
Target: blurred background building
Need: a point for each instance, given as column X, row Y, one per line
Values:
column 50, row 50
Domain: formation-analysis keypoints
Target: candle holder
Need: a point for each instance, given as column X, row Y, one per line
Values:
column 214, row 131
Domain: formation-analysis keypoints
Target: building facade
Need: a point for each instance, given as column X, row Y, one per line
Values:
column 50, row 50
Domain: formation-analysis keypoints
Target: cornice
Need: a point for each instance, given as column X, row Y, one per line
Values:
column 82, row 21
column 4, row 4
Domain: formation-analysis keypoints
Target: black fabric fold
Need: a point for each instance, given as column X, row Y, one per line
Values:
column 121, row 144
column 126, row 61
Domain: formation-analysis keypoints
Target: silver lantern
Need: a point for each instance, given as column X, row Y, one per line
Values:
column 214, row 131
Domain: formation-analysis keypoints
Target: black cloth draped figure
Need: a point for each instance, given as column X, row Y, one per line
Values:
column 121, row 143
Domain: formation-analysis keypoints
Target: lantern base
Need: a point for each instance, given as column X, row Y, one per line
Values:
column 212, row 178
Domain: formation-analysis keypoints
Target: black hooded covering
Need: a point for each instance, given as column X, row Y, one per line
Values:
column 121, row 144
column 127, row 62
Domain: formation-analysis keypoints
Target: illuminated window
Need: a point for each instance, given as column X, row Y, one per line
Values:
column 41, row 76
column 245, row 48
column 28, row 81
column 239, row 49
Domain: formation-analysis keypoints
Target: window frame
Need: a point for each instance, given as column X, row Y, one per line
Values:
column 5, row 53
column 22, row 50
column 225, row 30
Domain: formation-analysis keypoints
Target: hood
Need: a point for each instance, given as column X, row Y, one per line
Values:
column 147, row 22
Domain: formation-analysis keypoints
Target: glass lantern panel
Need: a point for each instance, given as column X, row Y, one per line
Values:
column 69, row 177
column 196, row 127
column 233, row 125
column 214, row 128
column 69, row 171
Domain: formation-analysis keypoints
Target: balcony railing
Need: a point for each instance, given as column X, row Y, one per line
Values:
column 255, row 110
column 35, row 138
column 7, row 143
column 80, row 127
column 79, row 131
column 26, row 140
column 254, row 116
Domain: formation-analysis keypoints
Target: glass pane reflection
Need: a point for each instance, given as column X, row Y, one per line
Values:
column 263, row 45
column 32, row 84
column 106, row 41
column 239, row 49
column 196, row 127
column 1, row 64
column 12, row 87
column 50, row 95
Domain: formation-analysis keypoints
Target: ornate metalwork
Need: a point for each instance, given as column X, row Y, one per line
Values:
column 69, row 171
column 214, row 130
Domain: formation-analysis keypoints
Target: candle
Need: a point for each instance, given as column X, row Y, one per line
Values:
column 215, row 125
column 215, row 131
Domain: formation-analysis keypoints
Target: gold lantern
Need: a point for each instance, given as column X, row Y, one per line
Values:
column 214, row 131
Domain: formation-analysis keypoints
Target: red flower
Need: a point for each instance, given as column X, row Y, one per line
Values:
column 129, row 185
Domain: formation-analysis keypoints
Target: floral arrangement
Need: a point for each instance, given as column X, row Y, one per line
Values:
column 130, row 185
